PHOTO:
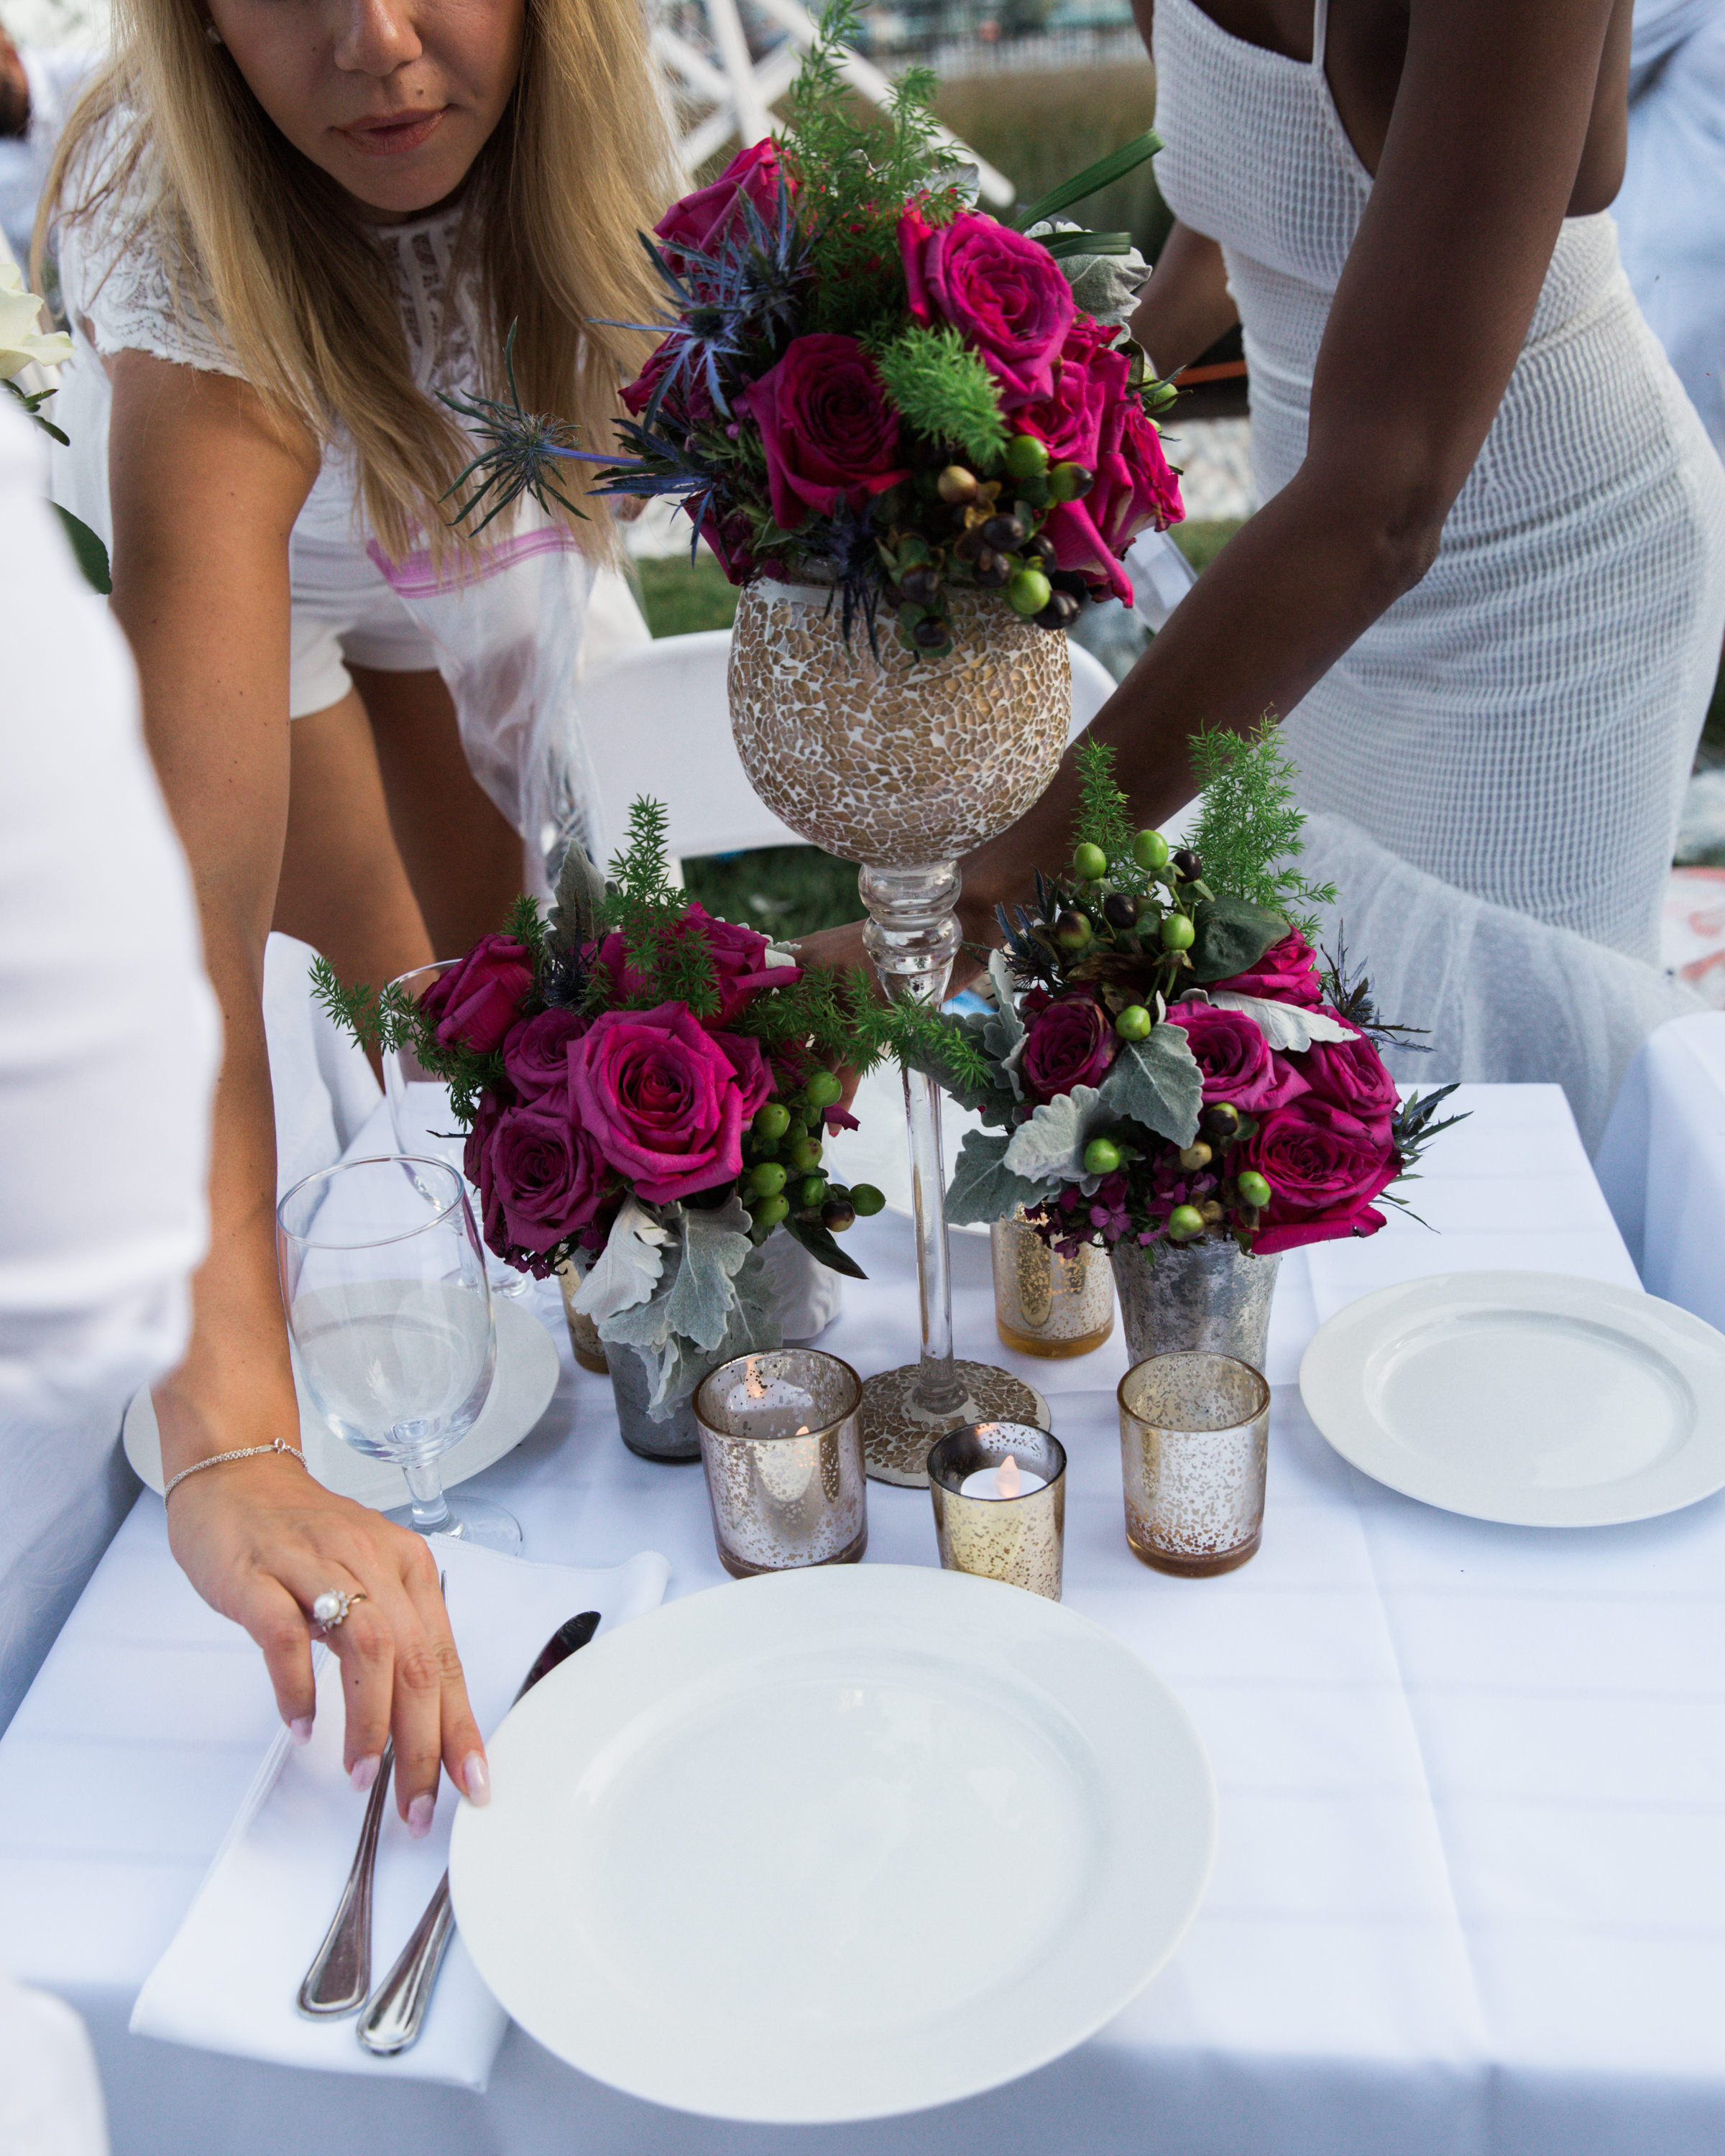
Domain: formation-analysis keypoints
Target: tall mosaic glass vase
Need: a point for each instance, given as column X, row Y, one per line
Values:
column 902, row 765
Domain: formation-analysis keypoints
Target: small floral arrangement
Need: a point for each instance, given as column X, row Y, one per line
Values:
column 23, row 343
column 864, row 382
column 1167, row 1059
column 646, row 1091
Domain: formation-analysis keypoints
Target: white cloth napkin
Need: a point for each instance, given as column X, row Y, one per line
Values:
column 228, row 1980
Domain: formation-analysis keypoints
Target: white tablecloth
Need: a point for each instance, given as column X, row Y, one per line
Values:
column 1470, row 1893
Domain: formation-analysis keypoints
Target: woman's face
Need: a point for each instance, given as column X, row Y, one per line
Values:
column 394, row 99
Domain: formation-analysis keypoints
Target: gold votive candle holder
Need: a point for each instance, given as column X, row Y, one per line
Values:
column 1021, row 1539
column 781, row 1446
column 584, row 1341
column 1195, row 1443
column 1045, row 1304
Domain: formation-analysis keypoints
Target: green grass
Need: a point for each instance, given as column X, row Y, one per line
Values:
column 680, row 597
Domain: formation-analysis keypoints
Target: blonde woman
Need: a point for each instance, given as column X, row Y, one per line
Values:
column 284, row 227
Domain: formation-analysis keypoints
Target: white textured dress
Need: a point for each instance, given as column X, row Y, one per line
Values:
column 1513, row 735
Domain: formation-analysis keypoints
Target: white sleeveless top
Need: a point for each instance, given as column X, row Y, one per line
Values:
column 1522, row 722
column 508, row 641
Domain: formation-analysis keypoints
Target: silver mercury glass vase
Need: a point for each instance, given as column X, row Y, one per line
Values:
column 1205, row 1294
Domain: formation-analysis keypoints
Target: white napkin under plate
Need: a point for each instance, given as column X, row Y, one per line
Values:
column 229, row 1979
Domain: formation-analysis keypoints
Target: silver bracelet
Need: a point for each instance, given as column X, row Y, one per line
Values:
column 246, row 1452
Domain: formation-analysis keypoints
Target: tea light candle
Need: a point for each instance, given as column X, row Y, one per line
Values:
column 1008, row 1479
column 781, row 1442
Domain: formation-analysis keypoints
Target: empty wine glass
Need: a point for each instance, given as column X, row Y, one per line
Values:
column 389, row 1312
column 423, row 1122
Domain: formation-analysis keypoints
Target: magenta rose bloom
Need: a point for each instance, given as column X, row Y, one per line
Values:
column 711, row 214
column 827, row 430
column 474, row 1166
column 740, row 967
column 1234, row 1059
column 1324, row 1168
column 1350, row 1074
column 1287, row 973
column 1005, row 293
column 1090, row 382
column 1133, row 487
column 481, row 997
column 688, row 401
column 541, row 1175
column 664, row 1100
column 536, row 1051
column 1072, row 1043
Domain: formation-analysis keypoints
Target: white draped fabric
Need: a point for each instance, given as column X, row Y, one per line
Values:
column 1469, row 1900
column 1661, row 1164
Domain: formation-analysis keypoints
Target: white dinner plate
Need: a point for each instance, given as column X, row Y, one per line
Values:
column 879, row 1151
column 1538, row 1399
column 834, row 1844
column 521, row 1386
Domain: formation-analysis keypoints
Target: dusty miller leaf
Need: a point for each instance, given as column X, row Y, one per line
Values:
column 982, row 1189
column 1285, row 1026
column 627, row 1271
column 714, row 1247
column 1052, row 1143
column 1157, row 1082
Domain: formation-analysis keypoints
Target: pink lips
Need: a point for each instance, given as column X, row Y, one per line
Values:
column 392, row 133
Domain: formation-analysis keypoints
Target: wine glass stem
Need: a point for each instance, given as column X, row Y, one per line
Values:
column 913, row 937
column 430, row 1508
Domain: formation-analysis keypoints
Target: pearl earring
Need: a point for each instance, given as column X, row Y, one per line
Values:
column 212, row 33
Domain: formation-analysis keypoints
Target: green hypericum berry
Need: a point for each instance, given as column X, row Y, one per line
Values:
column 837, row 1215
column 823, row 1089
column 1150, row 850
column 772, row 1121
column 771, row 1211
column 766, row 1178
column 1090, row 863
column 866, row 1200
column 810, row 1191
column 1073, row 931
column 1029, row 592
column 1185, row 1222
column 1221, row 1120
column 1177, row 933
column 1067, row 482
column 1134, row 1023
column 1026, row 458
column 1253, row 1189
column 1101, row 1156
column 804, row 1155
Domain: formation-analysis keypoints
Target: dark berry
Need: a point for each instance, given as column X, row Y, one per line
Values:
column 1189, row 865
column 1003, row 533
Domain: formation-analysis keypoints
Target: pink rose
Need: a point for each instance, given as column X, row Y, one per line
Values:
column 536, row 1051
column 1072, row 1043
column 1007, row 295
column 664, row 1100
column 540, row 1176
column 740, row 967
column 1236, row 1059
column 1350, row 1074
column 481, row 997
column 826, row 427
column 688, row 401
column 1287, row 973
column 712, row 215
column 1090, row 382
column 1133, row 487
column 1324, row 1168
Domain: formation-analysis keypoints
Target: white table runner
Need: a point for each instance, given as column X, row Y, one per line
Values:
column 1470, row 1898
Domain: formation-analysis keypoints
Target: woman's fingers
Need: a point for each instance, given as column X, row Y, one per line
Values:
column 276, row 1622
column 463, row 1749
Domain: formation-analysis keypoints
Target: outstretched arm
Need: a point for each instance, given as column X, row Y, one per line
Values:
column 1428, row 320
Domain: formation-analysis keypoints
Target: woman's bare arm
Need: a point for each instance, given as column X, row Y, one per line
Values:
column 1187, row 304
column 205, row 490
column 1428, row 322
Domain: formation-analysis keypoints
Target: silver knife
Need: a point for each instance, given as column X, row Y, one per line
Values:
column 392, row 2022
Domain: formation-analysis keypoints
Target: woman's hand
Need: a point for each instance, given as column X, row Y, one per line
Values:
column 260, row 1540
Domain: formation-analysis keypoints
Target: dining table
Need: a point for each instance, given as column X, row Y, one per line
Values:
column 1469, row 1893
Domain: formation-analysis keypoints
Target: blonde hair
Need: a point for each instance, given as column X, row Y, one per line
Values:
column 578, row 166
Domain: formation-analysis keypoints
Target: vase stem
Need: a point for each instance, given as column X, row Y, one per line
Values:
column 913, row 937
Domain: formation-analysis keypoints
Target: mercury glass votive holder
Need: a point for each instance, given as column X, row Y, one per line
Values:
column 584, row 1341
column 1045, row 1304
column 1022, row 1539
column 781, row 1444
column 1194, row 1443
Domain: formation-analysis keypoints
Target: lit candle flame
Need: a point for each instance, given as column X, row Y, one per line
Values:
column 1008, row 1479
column 803, row 1431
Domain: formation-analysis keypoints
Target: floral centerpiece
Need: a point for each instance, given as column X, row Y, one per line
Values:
column 646, row 1091
column 1169, row 1063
